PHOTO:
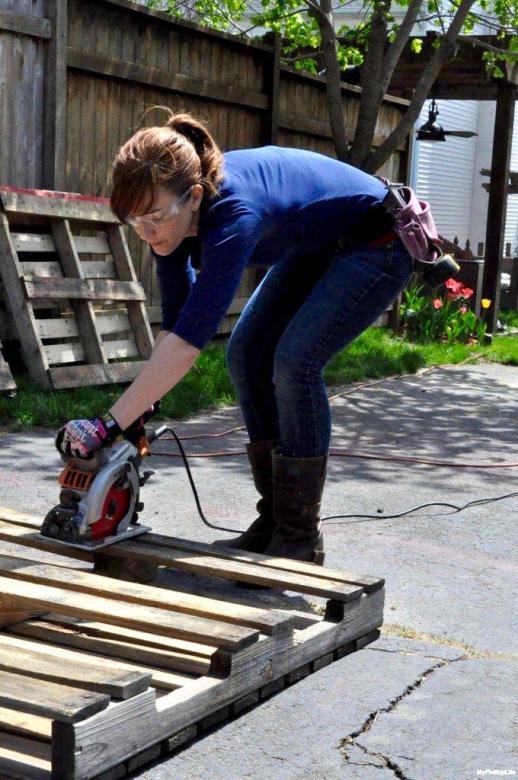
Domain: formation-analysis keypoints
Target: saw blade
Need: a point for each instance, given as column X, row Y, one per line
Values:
column 135, row 530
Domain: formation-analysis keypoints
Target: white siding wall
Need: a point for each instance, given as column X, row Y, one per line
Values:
column 442, row 172
column 511, row 225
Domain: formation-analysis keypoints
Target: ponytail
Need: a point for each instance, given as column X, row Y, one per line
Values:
column 211, row 158
column 178, row 155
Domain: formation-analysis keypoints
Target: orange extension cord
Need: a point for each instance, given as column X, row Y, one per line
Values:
column 341, row 453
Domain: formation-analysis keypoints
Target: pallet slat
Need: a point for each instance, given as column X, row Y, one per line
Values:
column 267, row 622
column 69, row 207
column 26, row 725
column 118, row 682
column 98, row 670
column 42, row 242
column 203, row 564
column 367, row 582
column 74, row 353
column 66, row 327
column 92, row 269
column 47, row 699
column 83, row 289
column 156, row 621
column 75, row 638
column 27, row 758
column 235, row 569
column 104, row 630
column 79, row 376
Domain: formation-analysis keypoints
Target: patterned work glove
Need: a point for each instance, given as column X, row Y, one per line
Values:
column 81, row 438
column 136, row 430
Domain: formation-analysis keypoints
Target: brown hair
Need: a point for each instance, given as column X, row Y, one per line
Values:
column 177, row 155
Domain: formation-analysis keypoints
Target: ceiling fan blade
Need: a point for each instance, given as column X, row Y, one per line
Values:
column 460, row 133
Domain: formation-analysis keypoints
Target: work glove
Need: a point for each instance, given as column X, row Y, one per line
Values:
column 136, row 430
column 82, row 438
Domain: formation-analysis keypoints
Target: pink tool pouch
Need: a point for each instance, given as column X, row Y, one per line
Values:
column 413, row 223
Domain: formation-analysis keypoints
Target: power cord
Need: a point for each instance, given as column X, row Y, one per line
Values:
column 362, row 518
column 380, row 515
column 193, row 487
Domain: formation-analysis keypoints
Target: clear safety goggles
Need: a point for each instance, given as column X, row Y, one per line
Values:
column 161, row 216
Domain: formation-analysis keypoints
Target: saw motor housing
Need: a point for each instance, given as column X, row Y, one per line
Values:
column 99, row 497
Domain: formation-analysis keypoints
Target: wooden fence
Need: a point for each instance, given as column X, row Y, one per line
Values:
column 78, row 76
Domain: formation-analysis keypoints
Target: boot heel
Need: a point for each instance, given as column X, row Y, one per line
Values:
column 318, row 557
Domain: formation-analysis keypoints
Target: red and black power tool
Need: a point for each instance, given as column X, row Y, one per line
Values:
column 99, row 499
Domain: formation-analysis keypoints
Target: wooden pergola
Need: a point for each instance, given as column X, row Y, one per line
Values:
column 464, row 77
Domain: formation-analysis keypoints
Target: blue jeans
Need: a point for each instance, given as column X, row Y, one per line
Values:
column 305, row 310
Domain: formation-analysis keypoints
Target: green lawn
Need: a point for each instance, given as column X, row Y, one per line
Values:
column 376, row 353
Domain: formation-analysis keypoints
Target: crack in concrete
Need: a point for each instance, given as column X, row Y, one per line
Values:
column 352, row 739
column 389, row 764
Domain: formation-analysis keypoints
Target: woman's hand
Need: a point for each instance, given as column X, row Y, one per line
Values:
column 81, row 438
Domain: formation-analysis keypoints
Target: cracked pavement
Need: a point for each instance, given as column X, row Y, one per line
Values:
column 435, row 697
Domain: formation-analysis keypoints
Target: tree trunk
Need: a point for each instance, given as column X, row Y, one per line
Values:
column 372, row 92
column 324, row 17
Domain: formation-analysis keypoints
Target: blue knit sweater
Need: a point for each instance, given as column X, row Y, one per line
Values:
column 274, row 203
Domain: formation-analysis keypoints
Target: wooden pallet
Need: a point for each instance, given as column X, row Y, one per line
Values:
column 46, row 264
column 141, row 670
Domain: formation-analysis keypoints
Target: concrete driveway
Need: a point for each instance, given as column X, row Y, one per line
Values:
column 435, row 697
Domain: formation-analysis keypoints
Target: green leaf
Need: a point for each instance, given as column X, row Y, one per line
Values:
column 416, row 45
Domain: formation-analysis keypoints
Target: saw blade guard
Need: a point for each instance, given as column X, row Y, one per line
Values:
column 110, row 502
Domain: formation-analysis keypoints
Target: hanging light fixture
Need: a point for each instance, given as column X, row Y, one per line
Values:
column 432, row 130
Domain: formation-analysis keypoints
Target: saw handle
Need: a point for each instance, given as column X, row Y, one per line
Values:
column 157, row 433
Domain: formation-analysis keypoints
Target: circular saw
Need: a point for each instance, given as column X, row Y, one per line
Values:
column 99, row 499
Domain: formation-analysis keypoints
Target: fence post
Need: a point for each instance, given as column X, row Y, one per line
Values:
column 55, row 99
column 272, row 82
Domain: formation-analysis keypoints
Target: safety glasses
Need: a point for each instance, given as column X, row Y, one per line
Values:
column 161, row 216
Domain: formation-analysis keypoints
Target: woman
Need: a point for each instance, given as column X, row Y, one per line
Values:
column 335, row 264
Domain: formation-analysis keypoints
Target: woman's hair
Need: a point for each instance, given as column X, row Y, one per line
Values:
column 176, row 156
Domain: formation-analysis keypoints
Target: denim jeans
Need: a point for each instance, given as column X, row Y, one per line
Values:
column 305, row 310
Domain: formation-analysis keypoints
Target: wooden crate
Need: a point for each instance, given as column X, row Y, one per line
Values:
column 56, row 294
column 100, row 675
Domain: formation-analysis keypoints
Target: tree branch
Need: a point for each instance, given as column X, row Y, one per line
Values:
column 396, row 48
column 421, row 91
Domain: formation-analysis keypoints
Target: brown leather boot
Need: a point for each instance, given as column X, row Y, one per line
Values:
column 258, row 536
column 298, row 484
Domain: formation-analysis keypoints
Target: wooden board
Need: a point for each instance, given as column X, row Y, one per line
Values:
column 198, row 676
column 40, row 697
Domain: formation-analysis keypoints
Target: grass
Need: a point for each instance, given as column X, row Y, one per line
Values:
column 509, row 318
column 376, row 353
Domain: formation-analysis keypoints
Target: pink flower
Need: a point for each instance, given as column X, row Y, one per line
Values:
column 463, row 309
column 451, row 296
column 466, row 292
column 437, row 303
column 454, row 286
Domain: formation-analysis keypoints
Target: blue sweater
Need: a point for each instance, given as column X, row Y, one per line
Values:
column 273, row 203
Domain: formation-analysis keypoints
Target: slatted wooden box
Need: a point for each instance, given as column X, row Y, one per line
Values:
column 98, row 675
